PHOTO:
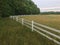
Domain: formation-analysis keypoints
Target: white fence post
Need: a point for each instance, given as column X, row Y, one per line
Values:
column 32, row 25
column 16, row 18
column 22, row 21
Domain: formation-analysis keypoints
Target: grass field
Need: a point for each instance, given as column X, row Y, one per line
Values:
column 13, row 33
column 49, row 20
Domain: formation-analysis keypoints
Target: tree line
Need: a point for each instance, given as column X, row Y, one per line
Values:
column 51, row 12
column 17, row 7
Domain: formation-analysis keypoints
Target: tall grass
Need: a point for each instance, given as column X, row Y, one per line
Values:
column 13, row 33
column 49, row 20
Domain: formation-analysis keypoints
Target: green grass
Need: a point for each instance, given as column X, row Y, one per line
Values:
column 13, row 33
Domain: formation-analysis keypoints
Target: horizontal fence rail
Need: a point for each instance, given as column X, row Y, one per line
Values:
column 34, row 26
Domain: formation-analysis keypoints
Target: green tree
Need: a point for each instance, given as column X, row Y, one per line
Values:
column 17, row 7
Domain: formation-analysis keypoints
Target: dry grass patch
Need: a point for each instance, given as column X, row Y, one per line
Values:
column 50, row 20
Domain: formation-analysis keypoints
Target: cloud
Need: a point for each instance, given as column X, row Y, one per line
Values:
column 50, row 9
column 47, row 4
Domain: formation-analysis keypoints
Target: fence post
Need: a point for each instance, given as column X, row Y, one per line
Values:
column 32, row 25
column 16, row 18
column 22, row 21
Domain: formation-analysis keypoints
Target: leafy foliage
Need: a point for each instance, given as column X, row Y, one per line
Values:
column 52, row 12
column 17, row 7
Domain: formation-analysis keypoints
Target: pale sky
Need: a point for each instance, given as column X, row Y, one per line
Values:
column 49, row 5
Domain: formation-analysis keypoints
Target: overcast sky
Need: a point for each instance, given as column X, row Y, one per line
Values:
column 48, row 4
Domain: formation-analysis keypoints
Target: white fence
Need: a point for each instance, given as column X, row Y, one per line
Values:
column 40, row 28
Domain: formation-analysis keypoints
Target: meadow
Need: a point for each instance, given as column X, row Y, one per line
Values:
column 49, row 20
column 14, row 33
column 52, row 21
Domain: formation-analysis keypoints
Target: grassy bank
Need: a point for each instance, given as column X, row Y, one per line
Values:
column 13, row 33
